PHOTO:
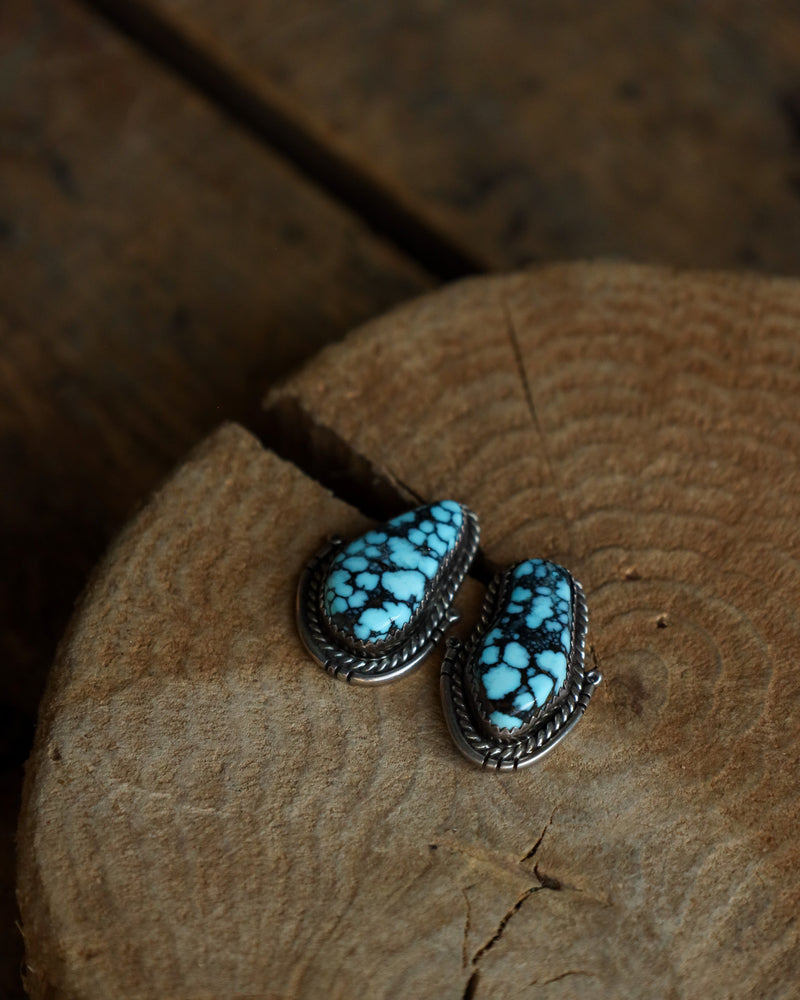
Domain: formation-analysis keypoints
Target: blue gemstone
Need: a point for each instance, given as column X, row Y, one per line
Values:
column 382, row 582
column 521, row 664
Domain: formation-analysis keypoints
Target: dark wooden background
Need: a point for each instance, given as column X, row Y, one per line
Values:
column 196, row 195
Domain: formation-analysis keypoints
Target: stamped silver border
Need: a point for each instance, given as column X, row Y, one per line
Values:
column 480, row 742
column 417, row 642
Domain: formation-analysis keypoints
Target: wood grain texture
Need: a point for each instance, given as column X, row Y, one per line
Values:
column 157, row 266
column 208, row 814
column 649, row 130
column 641, row 426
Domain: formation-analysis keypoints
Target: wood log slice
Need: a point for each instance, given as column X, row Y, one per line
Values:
column 208, row 814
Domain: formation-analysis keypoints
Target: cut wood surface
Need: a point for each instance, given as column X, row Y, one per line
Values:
column 208, row 814
column 545, row 131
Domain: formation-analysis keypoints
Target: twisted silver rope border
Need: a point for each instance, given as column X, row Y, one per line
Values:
column 556, row 717
column 372, row 667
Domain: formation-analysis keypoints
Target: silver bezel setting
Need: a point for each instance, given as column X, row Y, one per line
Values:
column 367, row 663
column 477, row 739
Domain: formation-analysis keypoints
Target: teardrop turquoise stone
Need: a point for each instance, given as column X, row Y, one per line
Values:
column 379, row 583
column 521, row 663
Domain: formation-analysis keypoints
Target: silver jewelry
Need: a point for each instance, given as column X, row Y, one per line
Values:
column 369, row 611
column 518, row 686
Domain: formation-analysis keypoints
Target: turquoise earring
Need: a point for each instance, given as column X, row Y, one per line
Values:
column 518, row 686
column 370, row 611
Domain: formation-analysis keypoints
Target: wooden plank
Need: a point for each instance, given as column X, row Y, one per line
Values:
column 207, row 813
column 156, row 266
column 542, row 131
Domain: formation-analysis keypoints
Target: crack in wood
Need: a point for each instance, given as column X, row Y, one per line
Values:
column 471, row 986
column 563, row 975
column 504, row 923
column 547, row 881
column 265, row 117
column 295, row 435
column 538, row 843
column 417, row 497
column 467, row 919
column 495, row 862
column 519, row 364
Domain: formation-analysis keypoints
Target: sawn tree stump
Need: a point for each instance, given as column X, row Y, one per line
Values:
column 208, row 814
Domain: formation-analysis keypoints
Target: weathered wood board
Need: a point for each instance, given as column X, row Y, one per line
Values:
column 157, row 267
column 208, row 814
column 548, row 131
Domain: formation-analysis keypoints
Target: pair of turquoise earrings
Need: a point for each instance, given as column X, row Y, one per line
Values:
column 370, row 611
